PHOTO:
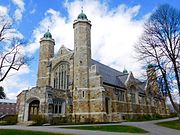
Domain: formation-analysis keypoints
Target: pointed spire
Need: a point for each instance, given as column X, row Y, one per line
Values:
column 125, row 71
column 81, row 9
column 82, row 3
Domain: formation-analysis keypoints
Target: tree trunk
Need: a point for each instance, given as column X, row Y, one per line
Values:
column 178, row 84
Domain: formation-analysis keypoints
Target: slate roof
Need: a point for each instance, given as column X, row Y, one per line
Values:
column 141, row 86
column 110, row 75
column 114, row 77
column 123, row 78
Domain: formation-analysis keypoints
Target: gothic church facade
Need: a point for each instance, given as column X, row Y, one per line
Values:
column 71, row 84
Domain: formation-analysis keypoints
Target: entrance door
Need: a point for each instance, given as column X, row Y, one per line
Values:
column 33, row 109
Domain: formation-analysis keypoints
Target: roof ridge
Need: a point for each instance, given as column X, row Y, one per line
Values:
column 108, row 66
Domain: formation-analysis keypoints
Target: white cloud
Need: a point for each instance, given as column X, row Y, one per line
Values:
column 114, row 32
column 18, row 14
column 19, row 4
column 14, row 84
column 3, row 10
column 20, row 9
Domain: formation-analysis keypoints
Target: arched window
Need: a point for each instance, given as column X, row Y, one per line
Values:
column 61, row 76
column 132, row 92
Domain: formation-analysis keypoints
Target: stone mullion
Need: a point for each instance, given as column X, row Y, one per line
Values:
column 66, row 76
column 58, row 107
column 65, row 79
column 60, row 70
column 59, row 79
column 64, row 84
column 56, row 80
column 54, row 108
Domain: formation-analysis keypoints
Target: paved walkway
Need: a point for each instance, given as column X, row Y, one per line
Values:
column 154, row 129
column 148, row 125
column 62, row 130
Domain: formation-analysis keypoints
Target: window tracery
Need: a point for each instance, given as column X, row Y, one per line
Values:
column 61, row 76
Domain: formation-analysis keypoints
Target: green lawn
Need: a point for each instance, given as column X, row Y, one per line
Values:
column 111, row 128
column 24, row 132
column 171, row 124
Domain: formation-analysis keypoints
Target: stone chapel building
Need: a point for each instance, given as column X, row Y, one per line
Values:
column 71, row 84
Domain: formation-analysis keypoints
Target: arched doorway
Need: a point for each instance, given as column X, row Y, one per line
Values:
column 33, row 108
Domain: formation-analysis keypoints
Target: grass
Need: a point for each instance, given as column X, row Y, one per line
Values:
column 24, row 132
column 111, row 128
column 144, row 117
column 171, row 124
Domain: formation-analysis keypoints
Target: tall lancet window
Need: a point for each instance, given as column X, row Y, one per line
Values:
column 62, row 76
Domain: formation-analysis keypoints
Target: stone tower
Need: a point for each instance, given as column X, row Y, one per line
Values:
column 46, row 52
column 82, row 61
column 152, row 79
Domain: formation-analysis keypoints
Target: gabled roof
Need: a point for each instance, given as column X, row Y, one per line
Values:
column 123, row 78
column 109, row 75
column 63, row 50
column 114, row 77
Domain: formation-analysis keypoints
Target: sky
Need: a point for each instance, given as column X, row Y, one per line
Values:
column 116, row 27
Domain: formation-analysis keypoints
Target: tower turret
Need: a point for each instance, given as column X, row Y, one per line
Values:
column 82, row 62
column 46, row 52
column 151, row 72
column 82, row 51
column 152, row 79
column 125, row 72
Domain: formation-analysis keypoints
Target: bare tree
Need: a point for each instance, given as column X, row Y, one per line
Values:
column 2, row 94
column 160, row 46
column 11, row 55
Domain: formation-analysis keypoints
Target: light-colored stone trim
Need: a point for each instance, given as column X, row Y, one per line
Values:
column 86, row 113
column 119, row 101
column 42, row 77
column 44, row 60
column 100, row 99
column 94, row 88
